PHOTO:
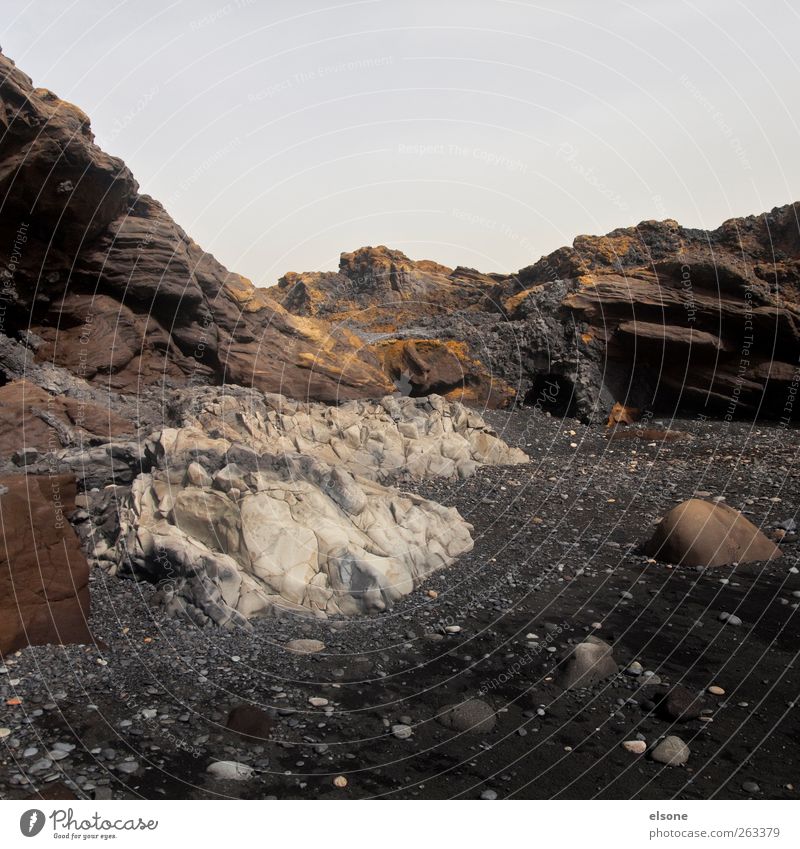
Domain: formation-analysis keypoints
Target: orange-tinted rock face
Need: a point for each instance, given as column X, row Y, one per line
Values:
column 119, row 294
column 425, row 366
column 382, row 290
column 675, row 318
column 44, row 576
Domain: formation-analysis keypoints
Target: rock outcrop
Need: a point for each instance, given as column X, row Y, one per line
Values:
column 699, row 533
column 257, row 505
column 44, row 576
column 111, row 288
column 657, row 317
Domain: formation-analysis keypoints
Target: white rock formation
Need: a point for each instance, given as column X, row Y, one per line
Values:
column 259, row 505
column 419, row 437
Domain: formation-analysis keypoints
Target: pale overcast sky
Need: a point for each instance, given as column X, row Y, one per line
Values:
column 475, row 132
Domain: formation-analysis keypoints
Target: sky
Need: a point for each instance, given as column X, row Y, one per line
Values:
column 483, row 133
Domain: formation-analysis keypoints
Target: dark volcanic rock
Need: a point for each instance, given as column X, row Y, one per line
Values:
column 44, row 576
column 681, row 704
column 250, row 721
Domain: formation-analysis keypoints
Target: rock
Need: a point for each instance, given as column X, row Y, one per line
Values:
column 175, row 314
column 699, row 533
column 473, row 715
column 128, row 767
column 340, row 781
column 671, row 751
column 51, row 422
column 5, row 732
column 635, row 668
column 402, row 732
column 305, row 646
column 681, row 704
column 44, row 576
column 716, row 691
column 590, row 663
column 635, row 747
column 250, row 721
column 489, row 795
column 306, row 528
column 730, row 619
column 317, row 701
column 750, row 787
column 230, row 771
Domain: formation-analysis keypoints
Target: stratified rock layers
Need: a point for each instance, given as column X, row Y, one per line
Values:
column 100, row 280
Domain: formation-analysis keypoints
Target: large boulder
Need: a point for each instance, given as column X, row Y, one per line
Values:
column 702, row 533
column 44, row 576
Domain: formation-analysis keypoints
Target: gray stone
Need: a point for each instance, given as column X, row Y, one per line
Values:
column 671, row 751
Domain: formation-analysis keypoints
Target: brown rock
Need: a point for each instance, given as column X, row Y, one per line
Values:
column 250, row 721
column 444, row 368
column 682, row 705
column 141, row 303
column 31, row 418
column 44, row 577
column 701, row 533
column 590, row 663
column 474, row 715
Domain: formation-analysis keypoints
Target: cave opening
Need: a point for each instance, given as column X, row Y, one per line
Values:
column 553, row 393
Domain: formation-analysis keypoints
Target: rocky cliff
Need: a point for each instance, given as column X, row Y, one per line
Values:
column 100, row 280
column 656, row 316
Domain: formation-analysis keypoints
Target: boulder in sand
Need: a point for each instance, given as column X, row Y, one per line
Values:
column 473, row 715
column 700, row 533
column 590, row 663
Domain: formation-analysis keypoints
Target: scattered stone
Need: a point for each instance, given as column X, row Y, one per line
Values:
column 671, row 751
column 590, row 663
column 305, row 646
column 635, row 747
column 128, row 767
column 473, row 715
column 340, row 781
column 681, row 705
column 716, row 691
column 751, row 787
column 635, row 668
column 489, row 795
column 317, row 701
column 230, row 771
column 250, row 721
column 5, row 732
column 730, row 619
column 402, row 732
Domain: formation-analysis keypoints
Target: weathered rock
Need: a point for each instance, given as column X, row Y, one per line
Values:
column 44, row 592
column 590, row 663
column 305, row 646
column 33, row 419
column 381, row 440
column 473, row 715
column 93, row 261
column 671, row 751
column 702, row 533
column 230, row 771
column 250, row 721
column 681, row 704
